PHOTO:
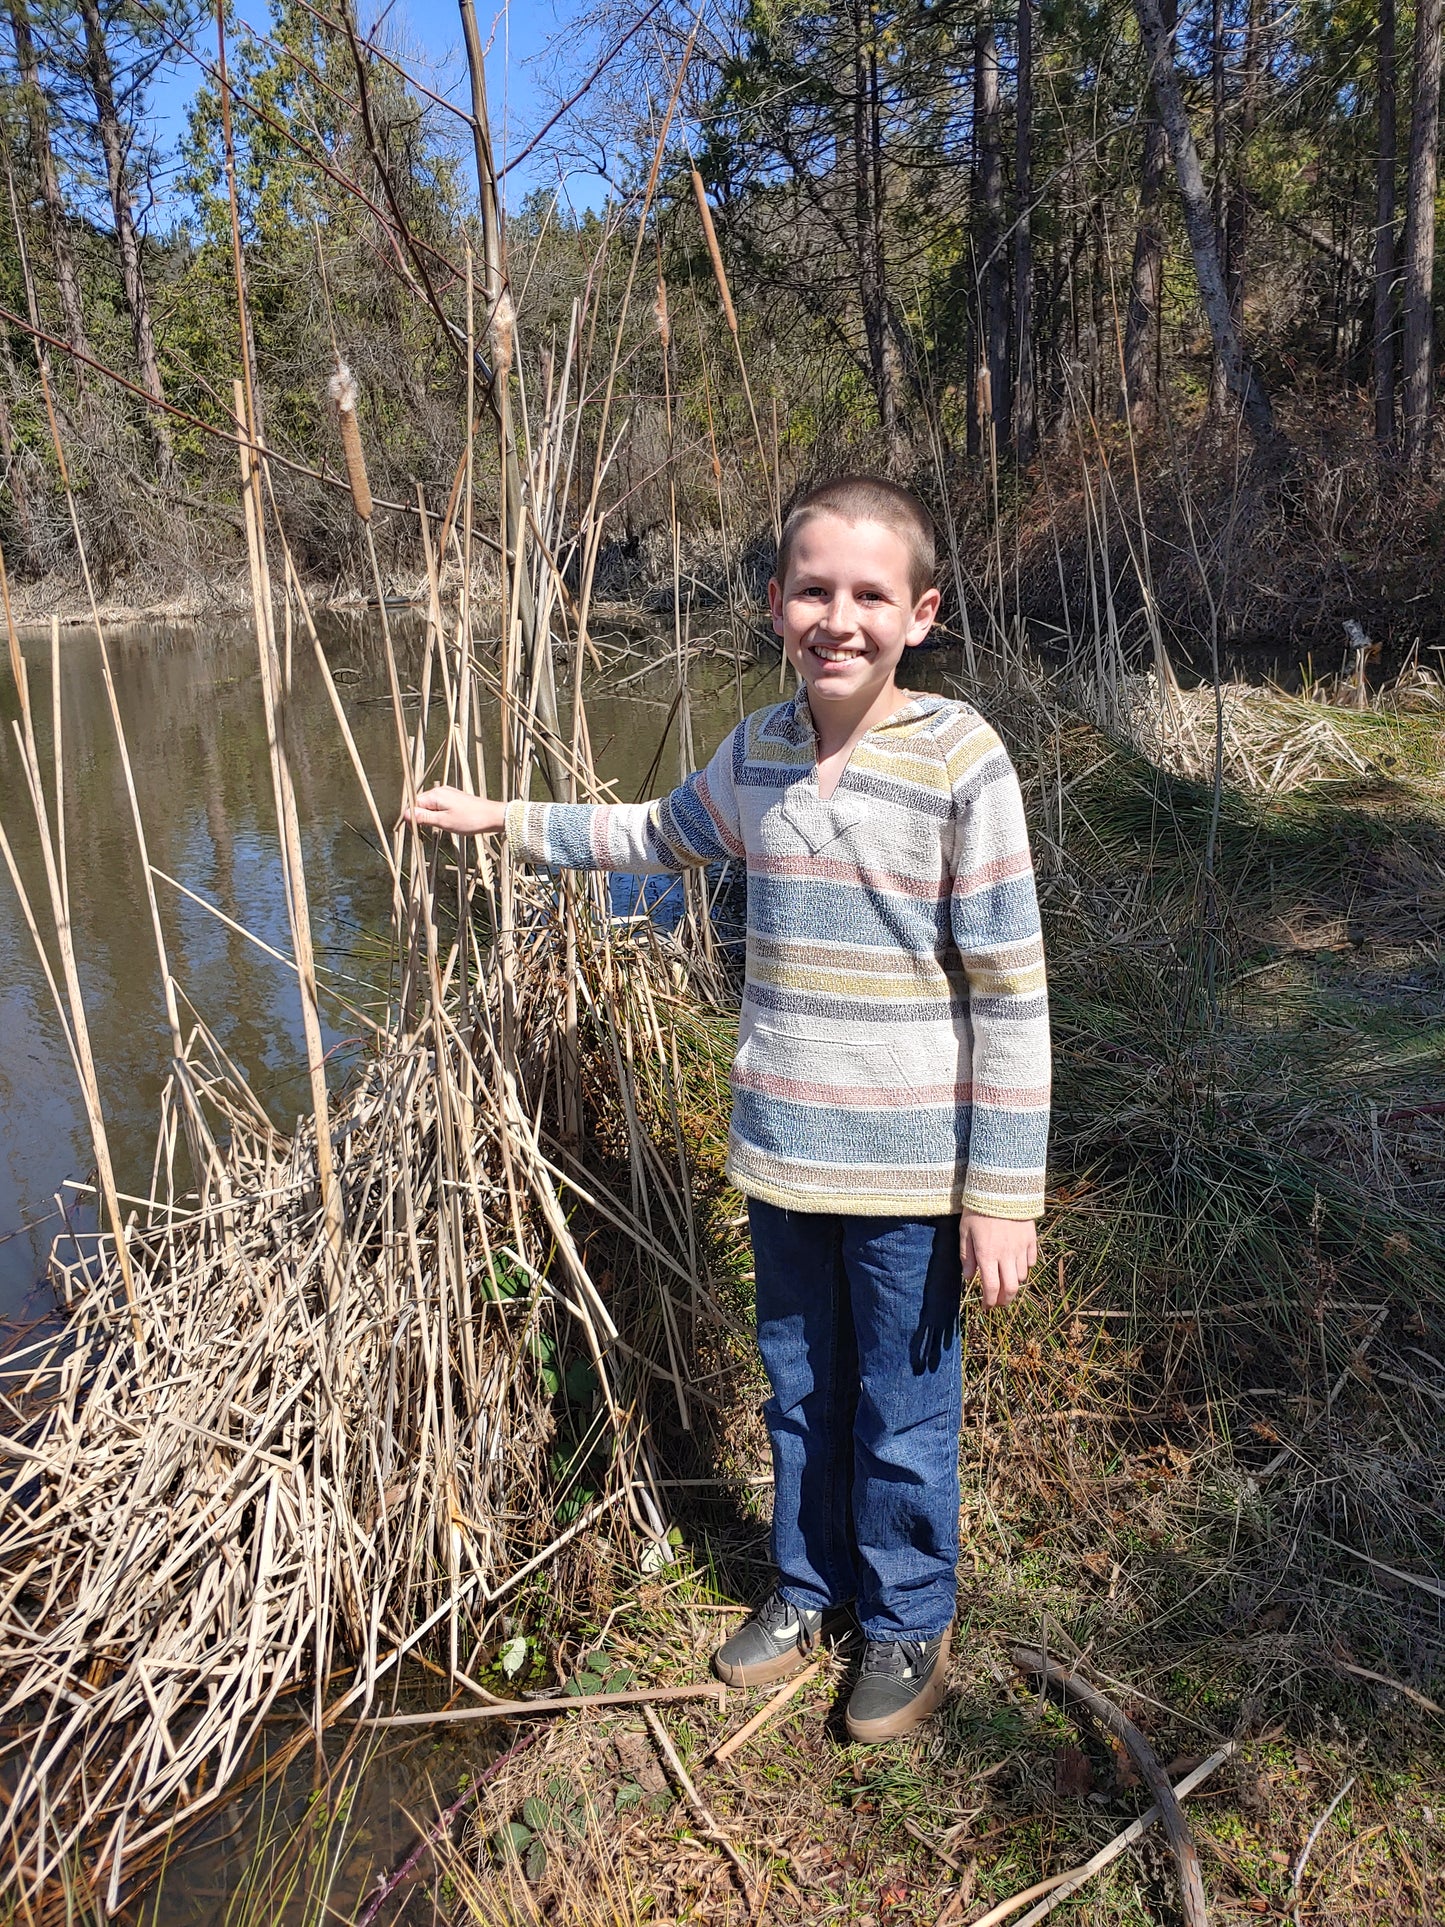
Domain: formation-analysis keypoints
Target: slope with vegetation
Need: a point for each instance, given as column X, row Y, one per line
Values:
column 989, row 249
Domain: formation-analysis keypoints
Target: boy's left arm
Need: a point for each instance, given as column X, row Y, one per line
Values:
column 994, row 914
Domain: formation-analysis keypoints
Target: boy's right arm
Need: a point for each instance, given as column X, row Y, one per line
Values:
column 696, row 824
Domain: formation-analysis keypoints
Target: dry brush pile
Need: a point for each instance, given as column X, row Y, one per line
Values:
column 299, row 1412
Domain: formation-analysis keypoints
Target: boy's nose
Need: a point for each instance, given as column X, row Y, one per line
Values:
column 838, row 617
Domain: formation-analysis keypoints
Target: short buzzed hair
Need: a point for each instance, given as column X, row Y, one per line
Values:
column 868, row 498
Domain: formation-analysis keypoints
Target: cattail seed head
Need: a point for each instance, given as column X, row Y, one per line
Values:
column 504, row 328
column 343, row 391
column 664, row 323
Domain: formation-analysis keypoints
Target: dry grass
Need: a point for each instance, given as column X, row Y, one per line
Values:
column 1274, row 744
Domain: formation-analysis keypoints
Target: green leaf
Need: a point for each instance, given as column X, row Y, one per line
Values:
column 508, row 1280
column 581, row 1381
column 536, row 1861
column 513, row 1838
column 513, row 1656
column 619, row 1679
column 629, row 1794
column 543, row 1347
column 537, row 1814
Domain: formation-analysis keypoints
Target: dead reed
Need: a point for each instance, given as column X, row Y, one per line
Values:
column 327, row 1397
column 1270, row 743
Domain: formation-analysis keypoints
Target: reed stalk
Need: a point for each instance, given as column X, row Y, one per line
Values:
column 289, row 829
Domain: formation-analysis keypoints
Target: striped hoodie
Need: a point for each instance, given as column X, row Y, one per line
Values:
column 893, row 1048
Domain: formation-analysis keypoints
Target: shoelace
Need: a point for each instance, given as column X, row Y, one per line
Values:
column 892, row 1658
column 775, row 1613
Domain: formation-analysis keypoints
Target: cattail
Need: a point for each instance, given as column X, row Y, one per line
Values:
column 343, row 392
column 504, row 325
column 709, row 233
column 659, row 308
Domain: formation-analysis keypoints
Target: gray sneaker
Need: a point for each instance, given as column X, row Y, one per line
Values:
column 902, row 1682
column 777, row 1641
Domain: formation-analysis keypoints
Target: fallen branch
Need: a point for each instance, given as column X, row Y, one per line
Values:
column 1432, row 1586
column 1315, row 1831
column 568, row 1703
column 726, row 1748
column 1191, row 1881
column 1060, row 1886
column 1383, row 1679
column 700, row 1810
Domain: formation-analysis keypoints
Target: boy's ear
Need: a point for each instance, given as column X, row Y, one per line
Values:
column 775, row 604
column 925, row 611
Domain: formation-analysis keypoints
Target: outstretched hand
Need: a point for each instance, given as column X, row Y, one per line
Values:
column 999, row 1252
column 444, row 808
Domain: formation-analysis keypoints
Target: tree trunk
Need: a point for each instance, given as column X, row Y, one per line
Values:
column 1419, row 263
column 868, row 211
column 1219, row 187
column 993, row 290
column 1384, row 330
column 1024, row 409
column 10, row 452
column 1240, row 378
column 1236, row 220
column 1146, row 277
column 42, row 153
column 113, row 143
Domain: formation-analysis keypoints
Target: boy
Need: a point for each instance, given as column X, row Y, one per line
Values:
column 890, row 1091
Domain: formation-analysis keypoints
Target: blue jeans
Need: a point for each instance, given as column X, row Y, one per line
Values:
column 858, row 1329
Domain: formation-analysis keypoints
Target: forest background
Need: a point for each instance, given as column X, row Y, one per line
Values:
column 982, row 248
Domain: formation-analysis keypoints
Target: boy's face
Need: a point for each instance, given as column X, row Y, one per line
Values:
column 847, row 611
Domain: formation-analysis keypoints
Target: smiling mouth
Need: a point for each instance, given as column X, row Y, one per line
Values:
column 825, row 654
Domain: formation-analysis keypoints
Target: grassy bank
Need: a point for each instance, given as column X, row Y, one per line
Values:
column 1192, row 1457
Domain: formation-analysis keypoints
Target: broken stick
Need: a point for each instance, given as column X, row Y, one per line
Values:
column 726, row 1748
column 1191, row 1880
column 570, row 1703
column 1060, row 1886
column 700, row 1810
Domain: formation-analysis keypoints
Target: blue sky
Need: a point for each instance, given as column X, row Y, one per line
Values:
column 518, row 67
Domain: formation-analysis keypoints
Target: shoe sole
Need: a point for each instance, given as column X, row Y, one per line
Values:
column 920, row 1708
column 767, row 1672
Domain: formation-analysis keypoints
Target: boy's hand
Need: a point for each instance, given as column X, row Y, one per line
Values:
column 998, row 1252
column 444, row 808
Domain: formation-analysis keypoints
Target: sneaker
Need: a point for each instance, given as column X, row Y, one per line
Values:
column 776, row 1642
column 902, row 1683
